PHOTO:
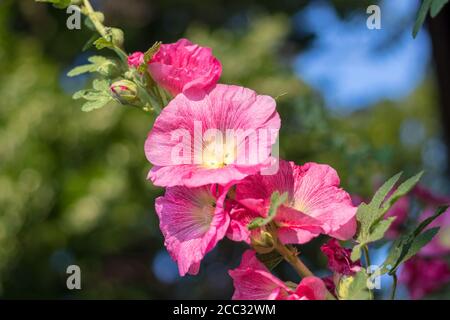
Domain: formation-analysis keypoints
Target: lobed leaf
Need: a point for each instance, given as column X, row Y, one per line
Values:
column 409, row 245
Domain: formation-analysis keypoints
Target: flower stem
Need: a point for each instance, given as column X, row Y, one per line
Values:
column 368, row 264
column 91, row 14
column 394, row 286
column 101, row 29
column 290, row 255
column 366, row 256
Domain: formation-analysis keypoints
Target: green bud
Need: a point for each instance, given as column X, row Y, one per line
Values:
column 125, row 91
column 263, row 243
column 117, row 36
column 99, row 16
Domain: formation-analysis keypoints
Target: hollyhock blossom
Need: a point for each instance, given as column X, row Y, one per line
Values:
column 422, row 276
column 182, row 65
column 135, row 59
column 201, row 139
column 253, row 281
column 315, row 202
column 339, row 258
column 192, row 221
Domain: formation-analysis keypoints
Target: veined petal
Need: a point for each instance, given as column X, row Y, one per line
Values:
column 192, row 222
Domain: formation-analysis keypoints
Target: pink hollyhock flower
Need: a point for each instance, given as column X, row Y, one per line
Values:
column 315, row 202
column 192, row 222
column 213, row 147
column 182, row 65
column 423, row 276
column 253, row 281
column 440, row 244
column 339, row 258
column 135, row 59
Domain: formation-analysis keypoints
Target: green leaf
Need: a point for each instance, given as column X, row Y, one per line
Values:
column 102, row 65
column 353, row 287
column 60, row 4
column 356, row 252
column 371, row 226
column 380, row 229
column 276, row 200
column 101, row 85
column 428, row 220
column 407, row 246
column 271, row 259
column 383, row 191
column 89, row 43
column 101, row 43
column 368, row 214
column 402, row 190
column 148, row 55
column 436, row 7
column 423, row 11
column 95, row 104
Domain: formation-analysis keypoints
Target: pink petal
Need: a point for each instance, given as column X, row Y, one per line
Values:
column 252, row 281
column 192, row 222
column 311, row 288
column 181, row 66
column 176, row 141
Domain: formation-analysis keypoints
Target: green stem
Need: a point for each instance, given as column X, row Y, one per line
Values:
column 367, row 256
column 101, row 29
column 394, row 286
column 290, row 254
column 368, row 264
column 91, row 14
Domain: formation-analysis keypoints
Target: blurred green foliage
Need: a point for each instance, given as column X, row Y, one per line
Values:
column 73, row 186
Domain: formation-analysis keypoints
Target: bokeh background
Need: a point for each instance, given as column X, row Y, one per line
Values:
column 73, row 186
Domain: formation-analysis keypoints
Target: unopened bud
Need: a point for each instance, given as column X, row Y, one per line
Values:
column 263, row 243
column 117, row 36
column 125, row 91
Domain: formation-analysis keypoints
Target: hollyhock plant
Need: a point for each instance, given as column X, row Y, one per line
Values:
column 210, row 146
column 339, row 260
column 422, row 276
column 315, row 202
column 135, row 59
column 253, row 281
column 192, row 221
column 182, row 65
column 211, row 126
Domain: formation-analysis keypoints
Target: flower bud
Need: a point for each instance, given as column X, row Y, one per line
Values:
column 263, row 243
column 125, row 91
column 117, row 36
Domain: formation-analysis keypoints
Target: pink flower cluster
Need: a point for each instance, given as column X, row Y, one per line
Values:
column 201, row 148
